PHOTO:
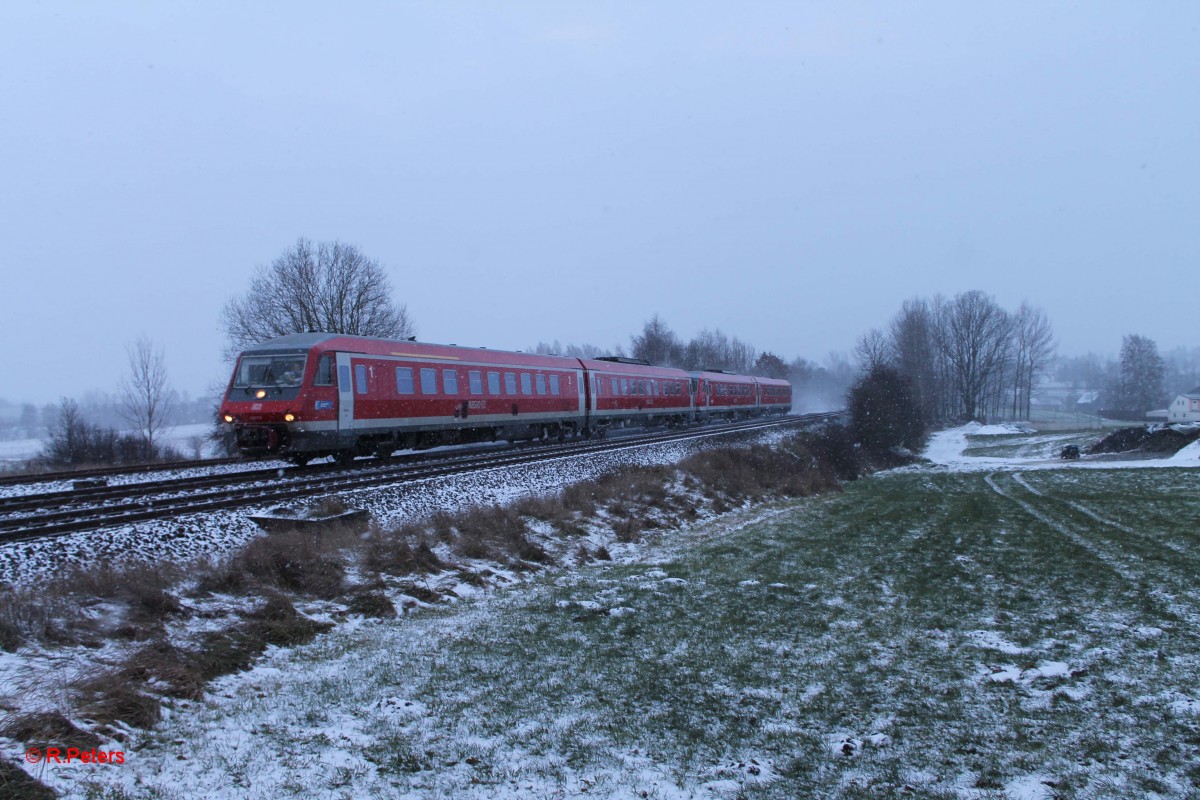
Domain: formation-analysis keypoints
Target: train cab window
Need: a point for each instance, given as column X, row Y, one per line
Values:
column 324, row 372
column 404, row 380
column 541, row 384
column 554, row 384
column 493, row 383
column 450, row 381
column 475, row 378
column 428, row 380
column 526, row 383
column 360, row 378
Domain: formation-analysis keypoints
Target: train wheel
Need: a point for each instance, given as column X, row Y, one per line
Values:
column 300, row 460
column 344, row 457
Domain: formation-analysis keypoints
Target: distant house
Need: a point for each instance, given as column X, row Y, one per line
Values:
column 1185, row 407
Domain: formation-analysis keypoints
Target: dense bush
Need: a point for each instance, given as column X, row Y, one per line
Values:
column 884, row 411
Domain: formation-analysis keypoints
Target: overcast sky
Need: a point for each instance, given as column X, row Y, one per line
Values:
column 788, row 173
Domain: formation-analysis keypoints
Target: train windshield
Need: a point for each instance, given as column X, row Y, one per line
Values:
column 269, row 371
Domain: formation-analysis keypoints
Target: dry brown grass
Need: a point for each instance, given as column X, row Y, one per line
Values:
column 303, row 562
column 275, row 622
column 16, row 784
column 28, row 615
column 54, row 612
column 405, row 551
column 48, row 729
column 128, row 694
column 371, row 603
column 111, row 697
column 757, row 472
column 491, row 532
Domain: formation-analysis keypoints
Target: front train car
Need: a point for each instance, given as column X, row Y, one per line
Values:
column 282, row 398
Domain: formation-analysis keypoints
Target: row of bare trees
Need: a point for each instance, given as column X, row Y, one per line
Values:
column 967, row 357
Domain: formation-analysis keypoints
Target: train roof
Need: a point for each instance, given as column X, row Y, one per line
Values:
column 627, row 368
column 367, row 345
column 725, row 377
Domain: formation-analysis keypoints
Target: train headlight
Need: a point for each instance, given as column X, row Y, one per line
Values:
column 228, row 418
column 289, row 417
column 260, row 394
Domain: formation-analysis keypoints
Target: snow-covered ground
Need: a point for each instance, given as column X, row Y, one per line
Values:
column 449, row 704
column 949, row 448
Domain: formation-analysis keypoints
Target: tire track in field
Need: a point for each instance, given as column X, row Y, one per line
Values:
column 1174, row 547
column 1130, row 567
column 1110, row 560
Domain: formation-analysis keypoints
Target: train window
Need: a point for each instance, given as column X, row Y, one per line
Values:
column 343, row 378
column 510, row 383
column 493, row 383
column 360, row 378
column 324, row 372
column 428, row 380
column 554, row 384
column 475, row 378
column 526, row 383
column 616, row 389
column 541, row 384
column 625, row 387
column 450, row 381
column 404, row 380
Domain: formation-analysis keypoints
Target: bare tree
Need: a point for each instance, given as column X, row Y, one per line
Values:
column 914, row 352
column 1033, row 347
column 330, row 287
column 656, row 343
column 872, row 350
column 146, row 396
column 557, row 348
column 714, row 350
column 973, row 335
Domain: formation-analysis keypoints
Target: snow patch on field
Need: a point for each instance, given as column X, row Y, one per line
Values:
column 948, row 448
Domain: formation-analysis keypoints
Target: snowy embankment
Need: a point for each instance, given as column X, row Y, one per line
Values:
column 949, row 449
column 218, row 533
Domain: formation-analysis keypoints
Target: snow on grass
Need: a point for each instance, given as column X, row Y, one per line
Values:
column 920, row 635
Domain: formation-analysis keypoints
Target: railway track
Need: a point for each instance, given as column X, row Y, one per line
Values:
column 58, row 513
column 104, row 472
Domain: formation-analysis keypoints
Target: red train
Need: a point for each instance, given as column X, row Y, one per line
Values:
column 316, row 394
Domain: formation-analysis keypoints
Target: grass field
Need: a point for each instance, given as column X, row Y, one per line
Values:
column 925, row 634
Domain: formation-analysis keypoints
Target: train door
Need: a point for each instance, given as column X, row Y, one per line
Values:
column 345, row 386
column 587, row 397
